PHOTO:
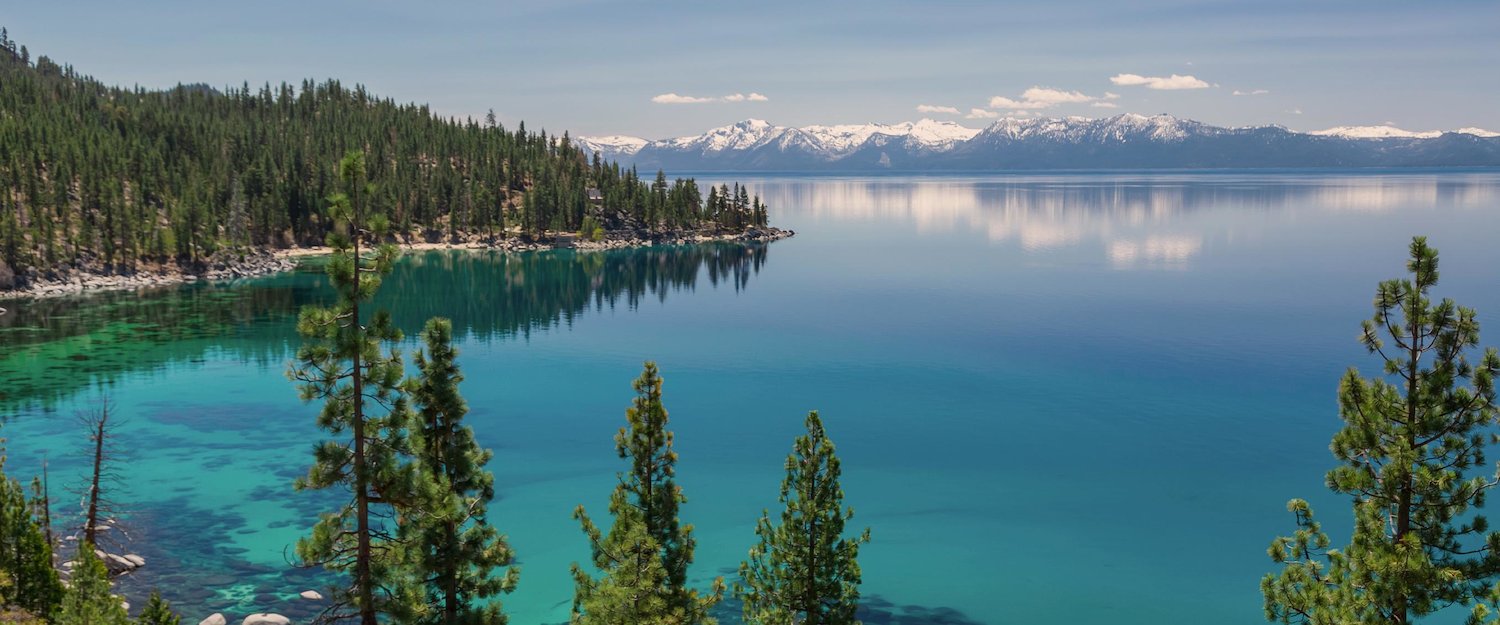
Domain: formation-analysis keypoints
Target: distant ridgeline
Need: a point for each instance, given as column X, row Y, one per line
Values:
column 1127, row 141
column 106, row 179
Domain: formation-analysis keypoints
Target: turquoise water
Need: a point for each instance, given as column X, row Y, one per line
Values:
column 1058, row 399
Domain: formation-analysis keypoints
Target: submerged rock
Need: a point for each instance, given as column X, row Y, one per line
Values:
column 312, row 595
column 266, row 619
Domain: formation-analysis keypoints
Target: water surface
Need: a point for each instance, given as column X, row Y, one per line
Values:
column 1058, row 398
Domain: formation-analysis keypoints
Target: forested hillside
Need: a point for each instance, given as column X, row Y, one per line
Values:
column 107, row 179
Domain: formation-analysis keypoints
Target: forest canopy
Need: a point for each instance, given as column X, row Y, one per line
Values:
column 108, row 178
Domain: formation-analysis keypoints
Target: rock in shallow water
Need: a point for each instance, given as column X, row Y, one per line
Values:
column 266, row 619
column 214, row 619
column 312, row 595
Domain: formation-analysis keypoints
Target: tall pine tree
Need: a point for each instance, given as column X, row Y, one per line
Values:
column 343, row 365
column 1412, row 459
column 645, row 509
column 804, row 570
column 457, row 550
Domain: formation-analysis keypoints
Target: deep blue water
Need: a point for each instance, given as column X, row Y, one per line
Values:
column 1058, row 398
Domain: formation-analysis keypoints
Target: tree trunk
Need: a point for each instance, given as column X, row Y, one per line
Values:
column 91, row 521
column 450, row 597
column 363, row 584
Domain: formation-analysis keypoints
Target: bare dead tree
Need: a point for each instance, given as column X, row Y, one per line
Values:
column 41, row 504
column 100, row 526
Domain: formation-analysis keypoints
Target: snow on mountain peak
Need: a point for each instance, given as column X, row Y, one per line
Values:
column 832, row 143
column 1374, row 132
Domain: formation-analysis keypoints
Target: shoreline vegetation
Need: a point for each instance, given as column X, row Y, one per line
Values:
column 264, row 262
column 412, row 543
column 110, row 187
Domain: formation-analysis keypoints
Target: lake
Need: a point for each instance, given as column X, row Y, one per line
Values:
column 1070, row 398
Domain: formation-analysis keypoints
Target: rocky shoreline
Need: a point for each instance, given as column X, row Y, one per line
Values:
column 266, row 262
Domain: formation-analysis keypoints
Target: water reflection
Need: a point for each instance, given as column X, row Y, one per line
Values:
column 1136, row 221
column 51, row 349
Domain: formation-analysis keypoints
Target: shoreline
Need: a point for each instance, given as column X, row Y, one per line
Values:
column 268, row 261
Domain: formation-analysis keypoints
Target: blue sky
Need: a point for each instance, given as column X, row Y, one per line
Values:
column 612, row 67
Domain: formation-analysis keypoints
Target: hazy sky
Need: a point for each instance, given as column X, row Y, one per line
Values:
column 641, row 68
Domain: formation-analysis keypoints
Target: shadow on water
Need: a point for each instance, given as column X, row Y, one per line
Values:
column 52, row 349
column 873, row 610
column 207, row 573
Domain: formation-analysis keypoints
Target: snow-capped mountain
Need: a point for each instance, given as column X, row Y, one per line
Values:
column 1392, row 132
column 1121, row 141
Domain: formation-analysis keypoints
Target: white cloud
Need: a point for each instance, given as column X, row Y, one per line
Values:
column 1295, row 111
column 1111, row 96
column 1042, row 98
column 932, row 108
column 981, row 114
column 673, row 98
column 1054, row 96
column 1002, row 102
column 1252, row 92
column 1175, row 81
column 1105, row 105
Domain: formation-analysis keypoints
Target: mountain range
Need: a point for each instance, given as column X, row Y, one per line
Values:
column 1128, row 141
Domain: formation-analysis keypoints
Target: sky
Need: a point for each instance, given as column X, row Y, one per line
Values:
column 665, row 69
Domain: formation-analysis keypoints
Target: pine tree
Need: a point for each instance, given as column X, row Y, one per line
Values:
column 1411, row 454
column 804, row 570
column 457, row 549
column 343, row 365
column 89, row 600
column 25, row 554
column 157, row 612
column 645, row 509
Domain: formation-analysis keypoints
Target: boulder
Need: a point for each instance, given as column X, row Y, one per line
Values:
column 266, row 619
column 134, row 559
column 118, row 564
column 214, row 619
column 312, row 595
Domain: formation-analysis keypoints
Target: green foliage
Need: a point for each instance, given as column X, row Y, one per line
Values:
column 645, row 555
column 89, row 600
column 590, row 230
column 157, row 612
column 804, row 570
column 25, row 555
column 92, row 174
column 1411, row 454
column 457, row 551
column 343, row 365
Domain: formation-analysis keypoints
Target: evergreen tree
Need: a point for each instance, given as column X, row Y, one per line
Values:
column 344, row 366
column 100, row 177
column 804, row 570
column 457, row 549
column 89, row 600
column 157, row 612
column 1411, row 454
column 645, row 508
column 25, row 554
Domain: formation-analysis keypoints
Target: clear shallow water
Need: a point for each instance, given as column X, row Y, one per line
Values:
column 1062, row 398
